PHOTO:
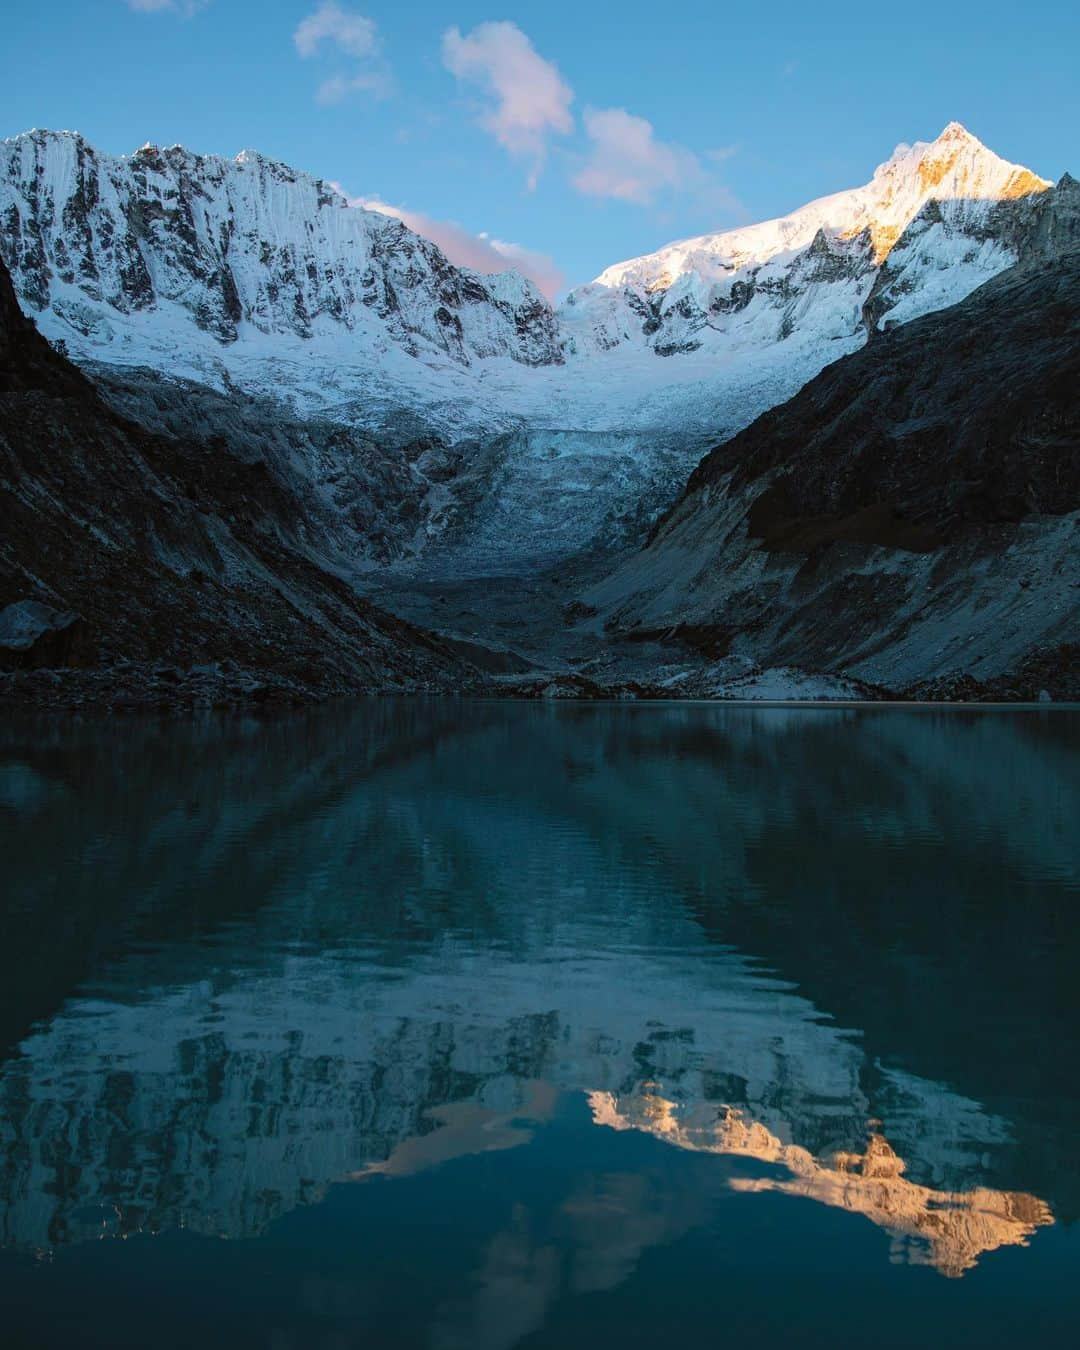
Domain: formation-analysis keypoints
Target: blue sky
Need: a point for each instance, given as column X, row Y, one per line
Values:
column 587, row 132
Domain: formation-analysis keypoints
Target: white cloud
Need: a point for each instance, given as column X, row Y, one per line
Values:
column 345, row 33
column 628, row 163
column 338, row 87
column 722, row 153
column 185, row 7
column 531, row 100
column 477, row 251
column 350, row 33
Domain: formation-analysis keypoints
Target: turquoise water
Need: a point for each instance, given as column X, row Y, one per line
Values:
column 450, row 1024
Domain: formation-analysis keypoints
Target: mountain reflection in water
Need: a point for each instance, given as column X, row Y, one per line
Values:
column 817, row 955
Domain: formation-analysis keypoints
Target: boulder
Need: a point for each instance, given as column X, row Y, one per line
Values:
column 34, row 636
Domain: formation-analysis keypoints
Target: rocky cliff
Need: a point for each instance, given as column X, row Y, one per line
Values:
column 161, row 568
column 910, row 517
column 245, row 246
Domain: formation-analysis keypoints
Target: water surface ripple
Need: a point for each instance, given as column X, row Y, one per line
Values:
column 410, row 1024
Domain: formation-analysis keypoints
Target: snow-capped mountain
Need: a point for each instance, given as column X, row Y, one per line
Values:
column 813, row 270
column 139, row 250
column 909, row 517
column 248, row 275
column 171, row 257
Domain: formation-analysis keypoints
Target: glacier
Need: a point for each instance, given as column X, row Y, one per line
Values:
column 259, row 281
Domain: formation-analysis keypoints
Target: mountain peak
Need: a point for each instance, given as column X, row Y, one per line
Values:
column 956, row 131
column 954, row 146
column 956, row 167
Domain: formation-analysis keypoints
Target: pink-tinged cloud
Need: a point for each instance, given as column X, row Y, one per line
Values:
column 529, row 99
column 479, row 252
column 542, row 270
column 628, row 163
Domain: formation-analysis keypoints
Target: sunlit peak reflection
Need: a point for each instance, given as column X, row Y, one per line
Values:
column 948, row 1230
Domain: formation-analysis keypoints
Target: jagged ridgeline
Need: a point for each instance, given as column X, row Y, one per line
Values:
column 297, row 400
column 100, row 240
column 248, row 276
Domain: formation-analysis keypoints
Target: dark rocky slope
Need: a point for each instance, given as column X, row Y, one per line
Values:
column 142, row 567
column 374, row 498
column 909, row 518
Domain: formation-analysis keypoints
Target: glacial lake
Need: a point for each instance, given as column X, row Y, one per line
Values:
column 490, row 1025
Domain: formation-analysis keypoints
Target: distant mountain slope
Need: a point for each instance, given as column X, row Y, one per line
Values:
column 237, row 269
column 158, row 569
column 555, row 432
column 912, row 516
column 241, row 247
column 813, row 270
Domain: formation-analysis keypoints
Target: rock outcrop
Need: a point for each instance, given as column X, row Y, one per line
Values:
column 34, row 636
